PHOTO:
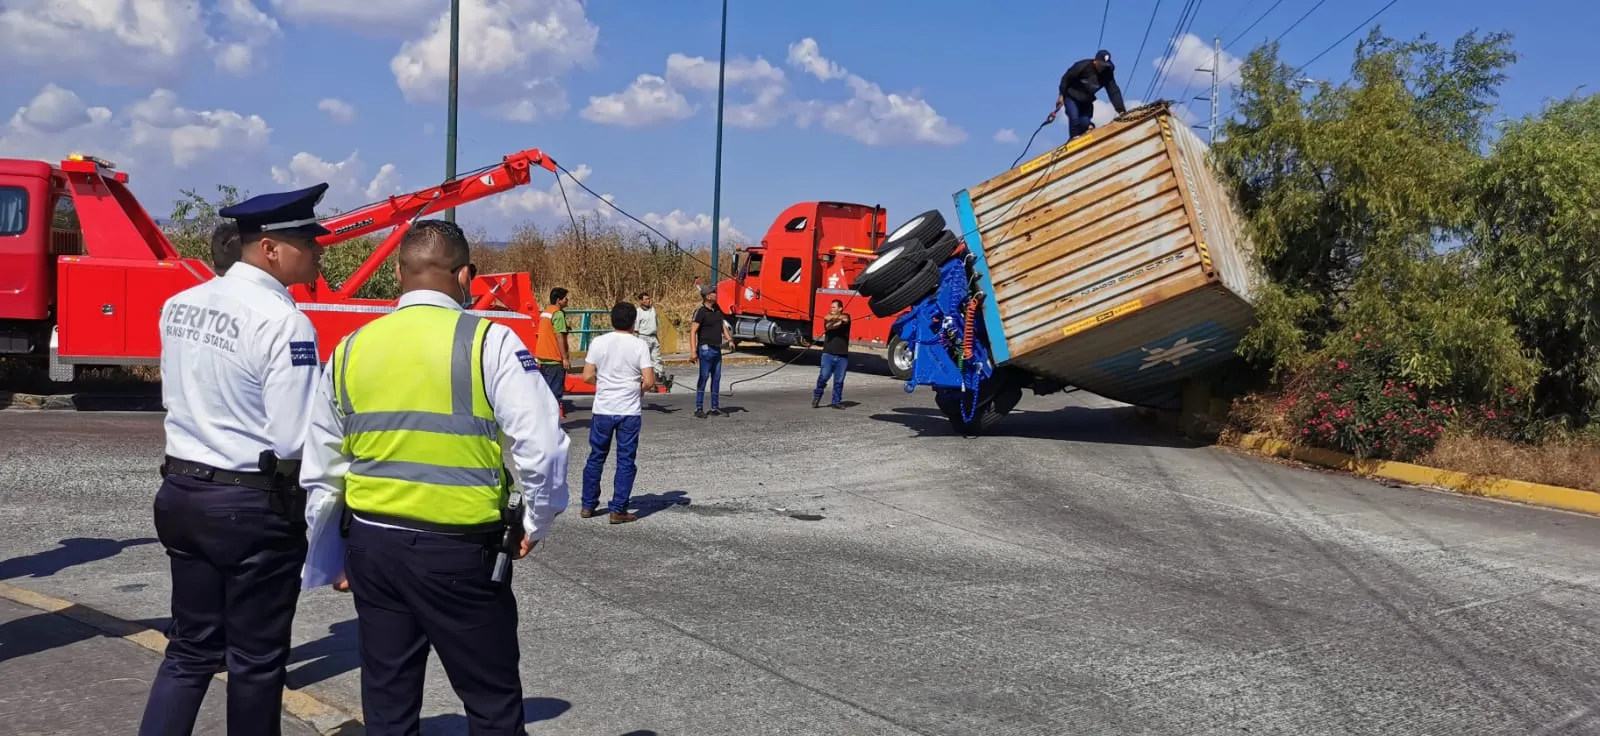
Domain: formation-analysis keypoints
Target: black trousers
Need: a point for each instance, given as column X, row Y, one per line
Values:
column 235, row 583
column 416, row 589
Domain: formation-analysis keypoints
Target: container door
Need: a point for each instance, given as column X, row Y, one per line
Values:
column 93, row 321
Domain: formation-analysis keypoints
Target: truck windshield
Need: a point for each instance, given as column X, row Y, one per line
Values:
column 13, row 210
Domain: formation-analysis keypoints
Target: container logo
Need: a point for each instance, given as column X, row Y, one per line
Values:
column 1178, row 353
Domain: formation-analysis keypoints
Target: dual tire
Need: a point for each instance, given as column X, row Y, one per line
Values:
column 907, row 267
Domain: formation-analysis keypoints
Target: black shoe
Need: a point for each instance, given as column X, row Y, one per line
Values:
column 836, row 405
column 815, row 402
column 715, row 412
column 699, row 414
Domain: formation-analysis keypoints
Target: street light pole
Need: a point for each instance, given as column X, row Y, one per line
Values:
column 716, row 189
column 455, row 83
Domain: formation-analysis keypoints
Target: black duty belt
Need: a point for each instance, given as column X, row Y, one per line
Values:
column 286, row 478
column 486, row 529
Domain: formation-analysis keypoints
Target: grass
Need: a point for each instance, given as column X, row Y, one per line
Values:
column 1569, row 462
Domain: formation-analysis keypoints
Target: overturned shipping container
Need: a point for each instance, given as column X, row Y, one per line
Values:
column 1116, row 263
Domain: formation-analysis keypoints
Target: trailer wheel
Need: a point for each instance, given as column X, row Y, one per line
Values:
column 899, row 356
column 925, row 282
column 942, row 248
column 996, row 398
column 922, row 230
column 890, row 270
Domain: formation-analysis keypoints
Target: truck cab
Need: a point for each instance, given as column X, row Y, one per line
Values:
column 810, row 256
column 37, row 224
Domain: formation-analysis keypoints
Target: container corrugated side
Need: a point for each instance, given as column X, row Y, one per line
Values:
column 1221, row 223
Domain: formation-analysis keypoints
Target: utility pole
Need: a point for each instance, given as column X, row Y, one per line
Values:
column 455, row 84
column 716, row 188
column 1216, row 63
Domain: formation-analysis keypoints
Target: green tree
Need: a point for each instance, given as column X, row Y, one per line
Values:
column 194, row 218
column 1355, row 195
column 1539, row 235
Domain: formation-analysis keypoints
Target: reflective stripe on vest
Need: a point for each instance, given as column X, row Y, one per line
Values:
column 417, row 421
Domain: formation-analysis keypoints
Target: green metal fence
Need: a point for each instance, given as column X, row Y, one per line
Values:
column 586, row 323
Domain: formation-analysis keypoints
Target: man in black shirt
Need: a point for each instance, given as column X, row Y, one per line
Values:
column 707, row 332
column 835, row 354
column 1077, row 92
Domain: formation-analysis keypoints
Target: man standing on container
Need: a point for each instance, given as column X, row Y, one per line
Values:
column 708, row 331
column 238, row 369
column 835, row 354
column 407, row 434
column 1076, row 92
column 618, row 365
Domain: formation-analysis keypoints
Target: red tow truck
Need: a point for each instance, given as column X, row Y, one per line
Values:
column 84, row 269
column 811, row 255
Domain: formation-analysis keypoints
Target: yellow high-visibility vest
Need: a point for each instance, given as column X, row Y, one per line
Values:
column 424, row 444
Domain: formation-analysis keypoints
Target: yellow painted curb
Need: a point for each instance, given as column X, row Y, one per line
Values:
column 1537, row 494
column 327, row 719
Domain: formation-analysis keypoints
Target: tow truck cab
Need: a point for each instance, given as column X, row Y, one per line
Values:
column 37, row 224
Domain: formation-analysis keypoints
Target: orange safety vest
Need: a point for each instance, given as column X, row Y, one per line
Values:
column 546, row 348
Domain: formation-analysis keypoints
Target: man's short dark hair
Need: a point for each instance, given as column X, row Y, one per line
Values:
column 433, row 244
column 838, row 303
column 641, row 295
column 226, row 247
column 557, row 294
column 623, row 316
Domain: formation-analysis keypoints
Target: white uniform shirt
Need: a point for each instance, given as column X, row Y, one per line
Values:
column 645, row 325
column 619, row 360
column 238, row 369
column 523, row 407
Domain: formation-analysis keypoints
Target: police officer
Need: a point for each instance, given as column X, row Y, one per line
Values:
column 238, row 369
column 406, row 437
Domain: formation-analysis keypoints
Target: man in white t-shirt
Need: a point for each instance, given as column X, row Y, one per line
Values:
column 619, row 366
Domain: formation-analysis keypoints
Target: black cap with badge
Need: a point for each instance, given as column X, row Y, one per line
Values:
column 1104, row 57
column 290, row 213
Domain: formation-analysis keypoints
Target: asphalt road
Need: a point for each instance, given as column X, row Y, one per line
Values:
column 863, row 571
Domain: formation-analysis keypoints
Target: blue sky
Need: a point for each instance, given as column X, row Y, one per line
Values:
column 891, row 102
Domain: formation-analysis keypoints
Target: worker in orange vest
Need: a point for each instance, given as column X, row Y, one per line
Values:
column 551, row 348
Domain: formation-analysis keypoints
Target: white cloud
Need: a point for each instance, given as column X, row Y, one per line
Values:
column 527, row 199
column 870, row 115
column 805, row 54
column 348, row 185
column 153, row 132
column 648, row 101
column 337, row 109
column 134, row 42
column 514, row 56
column 1006, row 135
column 1192, row 54
column 685, row 229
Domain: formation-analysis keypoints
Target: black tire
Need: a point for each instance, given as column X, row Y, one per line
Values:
column 925, row 282
column 922, row 230
column 996, row 398
column 943, row 247
column 898, row 352
column 890, row 270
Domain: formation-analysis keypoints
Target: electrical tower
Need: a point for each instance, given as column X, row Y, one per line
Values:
column 1216, row 64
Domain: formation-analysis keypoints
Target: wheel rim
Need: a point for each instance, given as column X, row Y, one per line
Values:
column 885, row 257
column 903, row 229
column 901, row 356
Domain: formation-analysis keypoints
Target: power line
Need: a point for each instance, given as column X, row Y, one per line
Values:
column 1236, row 16
column 1258, row 19
column 1297, row 22
column 1180, row 31
column 1103, row 16
column 1146, row 40
column 1297, row 70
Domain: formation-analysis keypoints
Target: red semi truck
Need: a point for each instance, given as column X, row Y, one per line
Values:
column 84, row 269
column 812, row 254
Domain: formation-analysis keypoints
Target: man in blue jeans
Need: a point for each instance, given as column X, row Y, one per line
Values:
column 1077, row 91
column 835, row 354
column 619, row 366
column 708, row 332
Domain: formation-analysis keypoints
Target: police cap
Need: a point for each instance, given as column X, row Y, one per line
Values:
column 1104, row 57
column 282, row 212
